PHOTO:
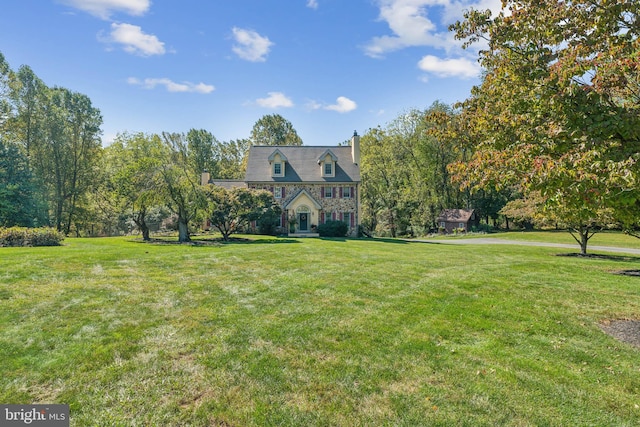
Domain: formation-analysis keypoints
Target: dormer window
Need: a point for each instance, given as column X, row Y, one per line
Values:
column 277, row 161
column 327, row 162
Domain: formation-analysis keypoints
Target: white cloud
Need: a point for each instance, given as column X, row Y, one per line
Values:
column 251, row 45
column 460, row 67
column 105, row 8
column 275, row 100
column 172, row 86
column 313, row 4
column 422, row 23
column 134, row 40
column 342, row 105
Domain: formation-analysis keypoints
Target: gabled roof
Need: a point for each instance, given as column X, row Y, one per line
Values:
column 302, row 194
column 273, row 156
column 456, row 215
column 301, row 165
column 334, row 158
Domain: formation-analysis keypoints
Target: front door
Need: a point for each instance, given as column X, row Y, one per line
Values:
column 303, row 222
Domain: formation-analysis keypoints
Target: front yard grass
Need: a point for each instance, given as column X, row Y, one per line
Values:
column 317, row 332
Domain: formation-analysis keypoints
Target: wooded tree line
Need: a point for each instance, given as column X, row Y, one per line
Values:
column 55, row 172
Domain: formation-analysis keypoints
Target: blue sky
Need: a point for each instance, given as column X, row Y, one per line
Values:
column 328, row 66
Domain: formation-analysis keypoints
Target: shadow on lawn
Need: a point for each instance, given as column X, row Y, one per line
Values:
column 606, row 257
column 219, row 241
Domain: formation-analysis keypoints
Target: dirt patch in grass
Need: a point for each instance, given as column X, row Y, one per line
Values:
column 627, row 331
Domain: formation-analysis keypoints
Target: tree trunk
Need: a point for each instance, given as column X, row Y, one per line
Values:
column 183, row 231
column 584, row 238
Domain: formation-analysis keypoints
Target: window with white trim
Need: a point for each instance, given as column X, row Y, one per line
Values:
column 346, row 193
column 328, row 192
column 277, row 192
column 328, row 169
column 278, row 169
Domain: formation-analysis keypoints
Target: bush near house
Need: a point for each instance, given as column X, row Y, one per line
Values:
column 333, row 229
column 23, row 236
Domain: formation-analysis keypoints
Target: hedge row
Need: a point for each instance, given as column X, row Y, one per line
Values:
column 22, row 236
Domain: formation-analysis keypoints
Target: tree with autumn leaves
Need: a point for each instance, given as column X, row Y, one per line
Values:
column 557, row 111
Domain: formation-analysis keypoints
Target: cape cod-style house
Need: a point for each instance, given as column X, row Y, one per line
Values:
column 312, row 184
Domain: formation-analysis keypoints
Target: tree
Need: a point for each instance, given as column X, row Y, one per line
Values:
column 231, row 210
column 273, row 129
column 201, row 147
column 557, row 109
column 72, row 146
column 17, row 204
column 231, row 158
column 134, row 161
column 406, row 182
column 179, row 183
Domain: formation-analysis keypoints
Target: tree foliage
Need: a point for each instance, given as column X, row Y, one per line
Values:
column 230, row 211
column 405, row 180
column 58, row 132
column 16, row 188
column 179, row 183
column 557, row 110
column 133, row 163
column 273, row 129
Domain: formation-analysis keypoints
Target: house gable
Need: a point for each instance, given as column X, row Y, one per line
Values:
column 278, row 161
column 303, row 198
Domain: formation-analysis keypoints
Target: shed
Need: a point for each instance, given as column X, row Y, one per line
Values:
column 450, row 220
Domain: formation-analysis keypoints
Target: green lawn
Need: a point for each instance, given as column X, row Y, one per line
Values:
column 605, row 238
column 317, row 332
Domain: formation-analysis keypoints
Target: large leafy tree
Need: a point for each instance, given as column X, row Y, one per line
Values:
column 557, row 111
column 273, row 129
column 134, row 161
column 232, row 210
column 179, row 183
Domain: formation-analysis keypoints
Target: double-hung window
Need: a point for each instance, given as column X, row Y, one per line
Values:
column 328, row 192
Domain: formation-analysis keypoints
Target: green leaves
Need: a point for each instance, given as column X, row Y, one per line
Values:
column 557, row 111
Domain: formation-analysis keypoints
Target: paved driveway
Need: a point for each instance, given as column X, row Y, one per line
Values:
column 495, row 241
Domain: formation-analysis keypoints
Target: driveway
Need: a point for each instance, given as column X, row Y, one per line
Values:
column 495, row 241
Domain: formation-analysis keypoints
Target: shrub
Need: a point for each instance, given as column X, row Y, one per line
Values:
column 333, row 229
column 268, row 223
column 22, row 236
